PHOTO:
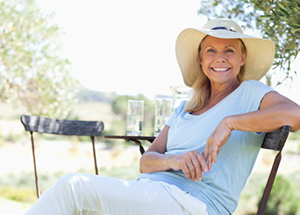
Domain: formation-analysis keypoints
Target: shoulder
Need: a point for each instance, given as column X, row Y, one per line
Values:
column 256, row 86
column 254, row 83
column 251, row 92
column 181, row 107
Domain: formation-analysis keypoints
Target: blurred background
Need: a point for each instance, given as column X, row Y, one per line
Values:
column 84, row 59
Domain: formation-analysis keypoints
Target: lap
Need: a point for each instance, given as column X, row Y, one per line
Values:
column 92, row 194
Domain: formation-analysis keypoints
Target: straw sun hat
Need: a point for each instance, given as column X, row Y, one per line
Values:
column 260, row 52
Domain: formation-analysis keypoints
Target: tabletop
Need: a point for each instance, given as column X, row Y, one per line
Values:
column 136, row 139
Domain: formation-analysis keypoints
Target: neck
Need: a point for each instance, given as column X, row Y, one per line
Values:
column 220, row 91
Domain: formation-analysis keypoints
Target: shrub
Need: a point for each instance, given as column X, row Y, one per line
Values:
column 282, row 199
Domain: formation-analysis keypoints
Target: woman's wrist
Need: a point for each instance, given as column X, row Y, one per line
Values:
column 229, row 122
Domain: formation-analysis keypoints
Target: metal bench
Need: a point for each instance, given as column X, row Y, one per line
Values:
column 61, row 127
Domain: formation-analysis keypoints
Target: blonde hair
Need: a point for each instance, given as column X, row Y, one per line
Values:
column 202, row 88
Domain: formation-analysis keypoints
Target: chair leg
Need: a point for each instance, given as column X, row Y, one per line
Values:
column 269, row 185
column 94, row 155
column 35, row 169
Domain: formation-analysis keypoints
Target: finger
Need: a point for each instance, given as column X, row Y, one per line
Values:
column 212, row 159
column 197, row 167
column 205, row 153
column 209, row 162
column 203, row 163
column 205, row 158
column 192, row 170
column 199, row 159
column 186, row 171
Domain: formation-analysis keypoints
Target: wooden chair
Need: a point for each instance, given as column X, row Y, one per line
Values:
column 275, row 141
column 61, row 127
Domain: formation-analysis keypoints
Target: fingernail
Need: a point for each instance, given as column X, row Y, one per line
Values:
column 205, row 170
column 199, row 179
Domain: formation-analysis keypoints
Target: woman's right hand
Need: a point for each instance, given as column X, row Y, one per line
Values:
column 192, row 164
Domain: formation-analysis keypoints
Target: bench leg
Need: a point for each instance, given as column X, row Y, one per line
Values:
column 94, row 155
column 35, row 169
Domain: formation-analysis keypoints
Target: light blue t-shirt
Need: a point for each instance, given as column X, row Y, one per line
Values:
column 221, row 187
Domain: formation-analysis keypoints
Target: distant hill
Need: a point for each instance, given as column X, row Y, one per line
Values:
column 87, row 95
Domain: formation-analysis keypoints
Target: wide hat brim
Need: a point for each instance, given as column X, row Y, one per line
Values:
column 260, row 53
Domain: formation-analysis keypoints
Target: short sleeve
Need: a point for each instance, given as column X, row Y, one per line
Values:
column 255, row 91
column 175, row 113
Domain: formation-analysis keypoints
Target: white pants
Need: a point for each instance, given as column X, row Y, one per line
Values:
column 92, row 194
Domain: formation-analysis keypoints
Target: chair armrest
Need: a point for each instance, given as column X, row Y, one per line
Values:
column 276, row 139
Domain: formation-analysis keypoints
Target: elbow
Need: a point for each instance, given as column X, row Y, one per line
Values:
column 141, row 168
column 141, row 165
column 295, row 126
column 294, row 121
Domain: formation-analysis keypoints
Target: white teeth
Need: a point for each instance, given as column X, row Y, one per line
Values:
column 220, row 69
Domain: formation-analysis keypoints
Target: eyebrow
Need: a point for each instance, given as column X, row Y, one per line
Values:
column 225, row 46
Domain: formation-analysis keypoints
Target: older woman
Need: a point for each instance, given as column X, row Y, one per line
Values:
column 223, row 122
column 201, row 160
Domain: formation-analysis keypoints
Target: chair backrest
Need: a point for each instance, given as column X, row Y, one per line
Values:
column 61, row 127
column 275, row 141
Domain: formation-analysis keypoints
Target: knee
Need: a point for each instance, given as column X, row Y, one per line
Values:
column 71, row 181
column 70, row 178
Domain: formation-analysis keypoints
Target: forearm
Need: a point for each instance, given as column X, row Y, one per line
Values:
column 267, row 119
column 154, row 162
column 191, row 163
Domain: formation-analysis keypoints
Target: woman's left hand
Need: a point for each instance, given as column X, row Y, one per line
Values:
column 215, row 142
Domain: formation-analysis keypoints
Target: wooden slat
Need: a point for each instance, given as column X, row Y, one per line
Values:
column 275, row 140
column 62, row 126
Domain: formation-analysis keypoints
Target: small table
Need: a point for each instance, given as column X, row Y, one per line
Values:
column 135, row 139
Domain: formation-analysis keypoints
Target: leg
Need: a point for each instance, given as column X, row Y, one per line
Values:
column 91, row 194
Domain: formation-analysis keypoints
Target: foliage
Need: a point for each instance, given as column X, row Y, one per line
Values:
column 282, row 199
column 18, row 194
column 21, row 187
column 87, row 95
column 295, row 135
column 277, row 20
column 32, row 72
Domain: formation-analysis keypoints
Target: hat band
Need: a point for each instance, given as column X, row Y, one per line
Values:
column 223, row 28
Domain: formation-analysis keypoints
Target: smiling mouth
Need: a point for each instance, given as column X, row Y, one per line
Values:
column 220, row 69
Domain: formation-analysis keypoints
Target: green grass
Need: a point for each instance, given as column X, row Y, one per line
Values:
column 21, row 187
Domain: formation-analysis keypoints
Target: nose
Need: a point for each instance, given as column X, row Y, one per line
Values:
column 220, row 57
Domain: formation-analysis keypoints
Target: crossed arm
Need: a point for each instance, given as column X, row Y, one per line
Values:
column 275, row 111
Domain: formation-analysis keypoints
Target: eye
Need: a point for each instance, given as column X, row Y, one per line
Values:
column 211, row 50
column 229, row 51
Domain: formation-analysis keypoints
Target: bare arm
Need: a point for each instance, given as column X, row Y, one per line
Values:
column 275, row 111
column 154, row 160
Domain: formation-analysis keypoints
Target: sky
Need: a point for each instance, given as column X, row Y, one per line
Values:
column 128, row 47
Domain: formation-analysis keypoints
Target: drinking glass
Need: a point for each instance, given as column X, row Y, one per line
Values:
column 135, row 113
column 163, row 110
column 180, row 93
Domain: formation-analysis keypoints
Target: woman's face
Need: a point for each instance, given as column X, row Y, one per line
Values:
column 221, row 59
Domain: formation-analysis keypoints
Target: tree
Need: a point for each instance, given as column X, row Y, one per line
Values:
column 276, row 20
column 32, row 72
